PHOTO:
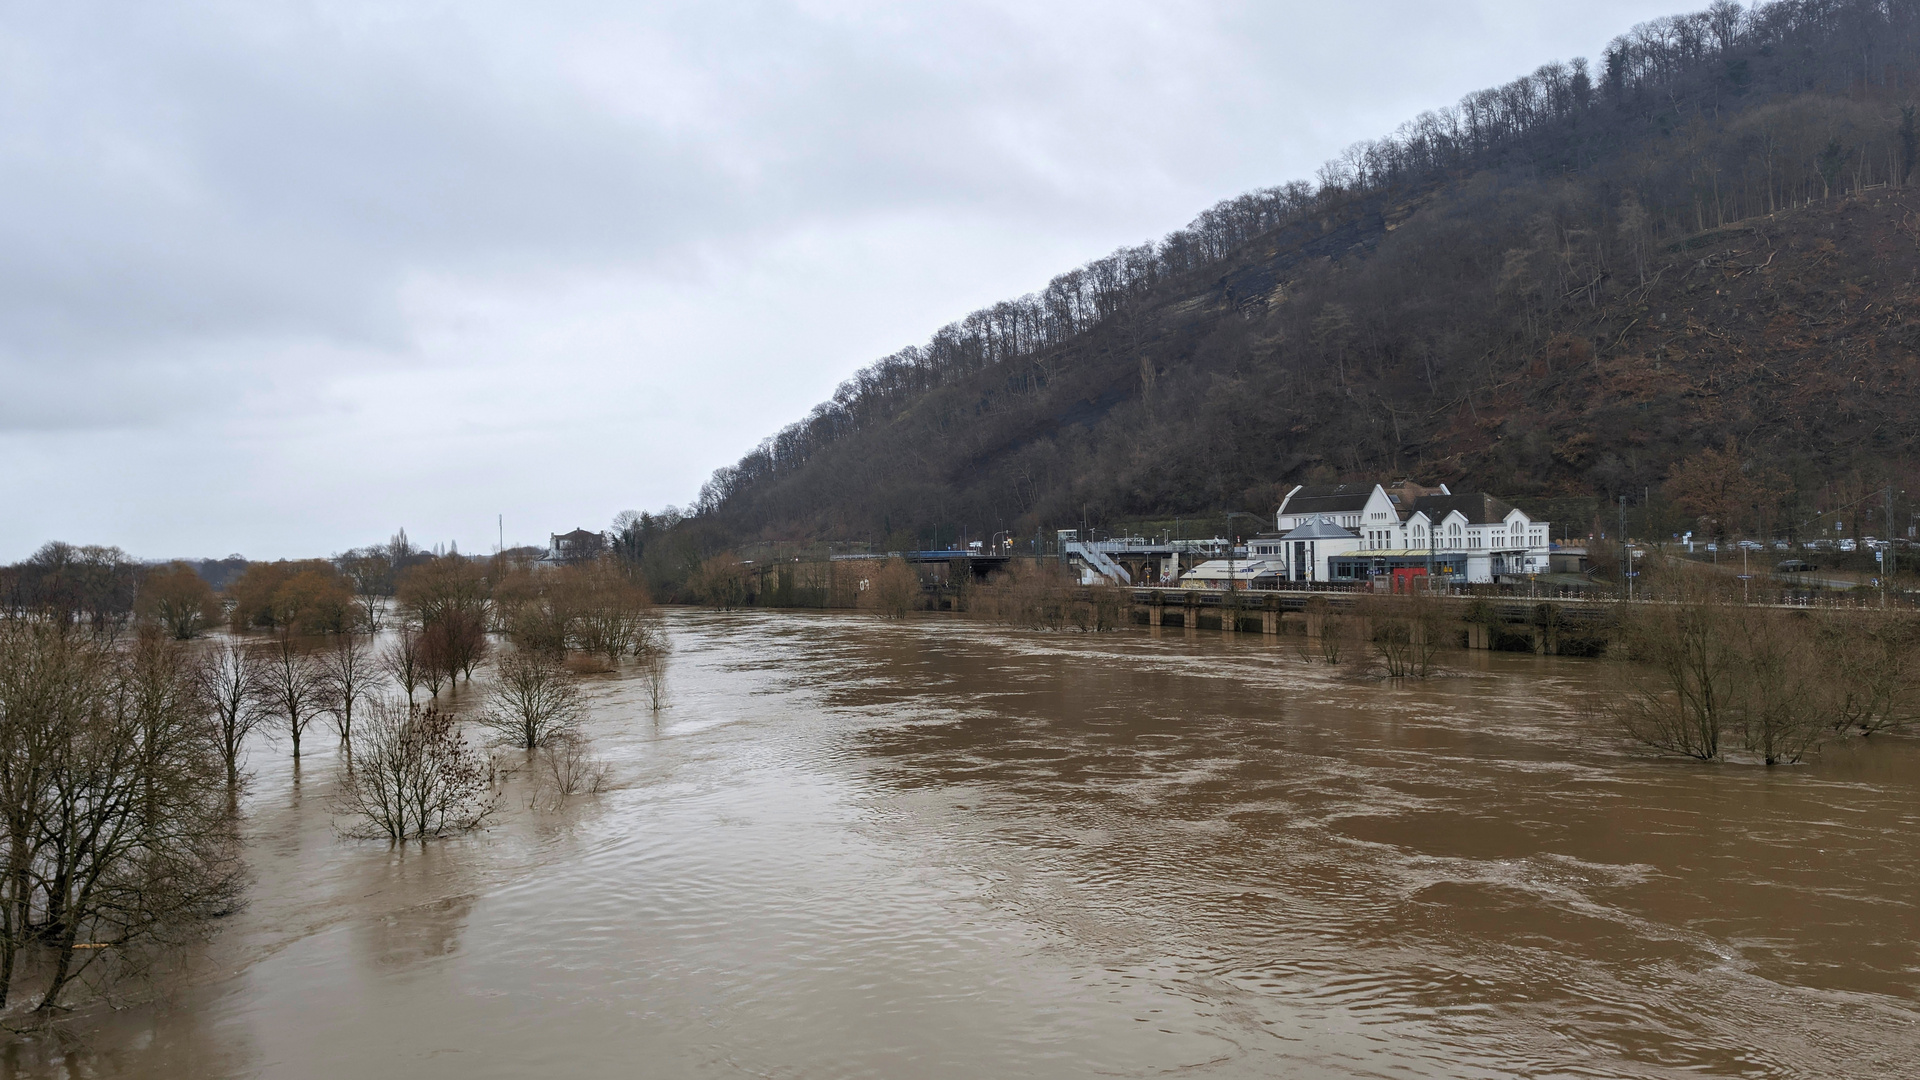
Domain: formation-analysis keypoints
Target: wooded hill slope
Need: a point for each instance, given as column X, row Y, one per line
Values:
column 1694, row 268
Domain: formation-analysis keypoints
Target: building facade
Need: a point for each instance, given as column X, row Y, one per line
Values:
column 1354, row 532
column 576, row 546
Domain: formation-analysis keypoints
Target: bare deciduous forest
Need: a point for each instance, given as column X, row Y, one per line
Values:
column 1584, row 283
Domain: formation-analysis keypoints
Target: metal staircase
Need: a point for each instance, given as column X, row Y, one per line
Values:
column 1099, row 562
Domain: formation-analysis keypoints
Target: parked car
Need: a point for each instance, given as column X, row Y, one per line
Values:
column 1752, row 545
column 1782, row 545
column 1795, row 566
column 1819, row 545
column 1849, row 545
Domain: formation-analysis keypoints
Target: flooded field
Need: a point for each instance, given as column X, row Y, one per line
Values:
column 851, row 849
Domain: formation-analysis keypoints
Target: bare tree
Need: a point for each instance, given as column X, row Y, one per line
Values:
column 371, row 571
column 1408, row 631
column 414, row 776
column 466, row 636
column 401, row 659
column 233, row 683
column 571, row 769
column 721, row 582
column 533, row 700
column 892, row 590
column 451, row 599
column 120, row 833
column 347, row 673
column 1872, row 664
column 653, row 669
column 1781, row 694
column 294, row 688
column 1682, row 701
column 613, row 612
column 1337, row 630
column 437, row 665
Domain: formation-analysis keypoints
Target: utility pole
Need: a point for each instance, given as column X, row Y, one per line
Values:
column 1626, row 566
column 1428, row 529
column 1231, row 514
column 1889, row 549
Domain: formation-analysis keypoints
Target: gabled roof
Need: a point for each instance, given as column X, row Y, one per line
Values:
column 1328, row 499
column 1321, row 529
column 1478, row 509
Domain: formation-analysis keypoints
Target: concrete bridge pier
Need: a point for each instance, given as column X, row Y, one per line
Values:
column 1479, row 636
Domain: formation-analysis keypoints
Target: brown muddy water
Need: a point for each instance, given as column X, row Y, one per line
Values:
column 850, row 849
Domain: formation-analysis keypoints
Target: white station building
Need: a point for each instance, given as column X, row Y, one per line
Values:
column 1347, row 533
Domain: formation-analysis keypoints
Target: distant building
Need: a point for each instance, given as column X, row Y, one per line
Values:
column 1355, row 532
column 576, row 546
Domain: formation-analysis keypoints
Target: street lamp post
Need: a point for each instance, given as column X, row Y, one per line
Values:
column 1231, row 514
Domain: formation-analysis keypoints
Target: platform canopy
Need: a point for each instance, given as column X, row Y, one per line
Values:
column 1216, row 573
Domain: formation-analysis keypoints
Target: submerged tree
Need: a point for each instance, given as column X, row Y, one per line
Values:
column 401, row 659
column 570, row 769
column 292, row 686
column 233, row 684
column 892, row 590
column 1407, row 632
column 533, row 700
column 177, row 598
column 612, row 612
column 1871, row 660
column 450, row 599
column 654, row 674
column 348, row 671
column 371, row 571
column 413, row 775
column 119, row 831
column 1782, row 695
column 720, row 582
column 1682, row 700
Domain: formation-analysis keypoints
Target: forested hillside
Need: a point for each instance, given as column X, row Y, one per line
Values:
column 1691, row 266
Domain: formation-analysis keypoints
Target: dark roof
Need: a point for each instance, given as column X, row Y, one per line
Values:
column 1329, row 499
column 1479, row 509
column 1320, row 530
column 577, row 535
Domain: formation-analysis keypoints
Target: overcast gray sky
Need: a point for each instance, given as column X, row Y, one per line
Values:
column 280, row 278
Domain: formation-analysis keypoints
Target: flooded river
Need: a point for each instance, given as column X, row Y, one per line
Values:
column 850, row 849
